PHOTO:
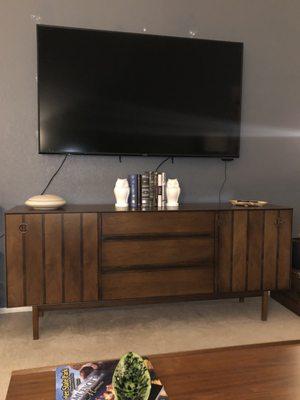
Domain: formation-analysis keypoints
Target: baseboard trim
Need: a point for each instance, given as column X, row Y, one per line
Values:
column 6, row 310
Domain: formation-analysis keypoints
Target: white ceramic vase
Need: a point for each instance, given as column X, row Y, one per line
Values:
column 173, row 192
column 121, row 192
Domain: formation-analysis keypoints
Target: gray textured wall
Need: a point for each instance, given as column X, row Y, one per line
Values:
column 270, row 145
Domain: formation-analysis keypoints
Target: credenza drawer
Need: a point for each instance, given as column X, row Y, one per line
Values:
column 131, row 253
column 167, row 282
column 158, row 223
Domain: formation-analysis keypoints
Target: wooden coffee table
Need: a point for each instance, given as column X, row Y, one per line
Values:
column 265, row 371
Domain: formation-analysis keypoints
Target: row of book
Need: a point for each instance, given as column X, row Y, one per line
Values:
column 147, row 189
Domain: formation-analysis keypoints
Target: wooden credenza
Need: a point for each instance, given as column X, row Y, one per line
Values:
column 93, row 255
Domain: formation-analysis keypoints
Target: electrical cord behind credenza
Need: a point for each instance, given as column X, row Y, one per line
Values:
column 165, row 160
column 225, row 160
column 55, row 173
column 49, row 182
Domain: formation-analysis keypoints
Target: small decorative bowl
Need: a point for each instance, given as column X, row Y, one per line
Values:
column 46, row 202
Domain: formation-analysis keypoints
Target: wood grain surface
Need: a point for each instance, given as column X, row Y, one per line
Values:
column 254, row 372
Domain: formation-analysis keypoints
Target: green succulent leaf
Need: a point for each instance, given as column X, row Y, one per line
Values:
column 131, row 379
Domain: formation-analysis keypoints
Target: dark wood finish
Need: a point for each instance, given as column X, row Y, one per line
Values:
column 35, row 322
column 144, row 300
column 168, row 252
column 53, row 259
column 284, row 249
column 90, row 241
column 110, row 208
column 15, row 260
column 158, row 223
column 264, row 372
column 72, row 257
column 270, row 249
column 85, row 255
column 239, row 256
column 80, row 257
column 241, row 299
column 264, row 305
column 164, row 282
column 33, row 248
column 224, row 251
column 255, row 249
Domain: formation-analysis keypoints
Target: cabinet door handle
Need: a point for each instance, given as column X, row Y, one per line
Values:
column 23, row 227
column 279, row 221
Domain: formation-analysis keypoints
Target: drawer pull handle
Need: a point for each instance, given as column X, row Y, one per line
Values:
column 23, row 228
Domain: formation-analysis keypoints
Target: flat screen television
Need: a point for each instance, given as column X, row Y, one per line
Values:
column 116, row 93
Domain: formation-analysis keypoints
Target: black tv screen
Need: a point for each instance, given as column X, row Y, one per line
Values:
column 102, row 92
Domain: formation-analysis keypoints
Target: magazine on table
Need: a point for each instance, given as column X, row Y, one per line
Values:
column 93, row 381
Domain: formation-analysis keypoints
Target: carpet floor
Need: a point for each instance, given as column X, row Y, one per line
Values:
column 71, row 336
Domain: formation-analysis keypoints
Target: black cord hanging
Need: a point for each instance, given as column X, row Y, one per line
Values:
column 165, row 160
column 224, row 181
column 55, row 173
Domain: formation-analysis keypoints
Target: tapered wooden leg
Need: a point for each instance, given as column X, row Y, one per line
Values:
column 264, row 305
column 241, row 299
column 35, row 322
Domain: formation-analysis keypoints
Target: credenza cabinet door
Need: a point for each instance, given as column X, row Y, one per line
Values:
column 277, row 258
column 24, row 254
column 52, row 258
column 254, row 250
